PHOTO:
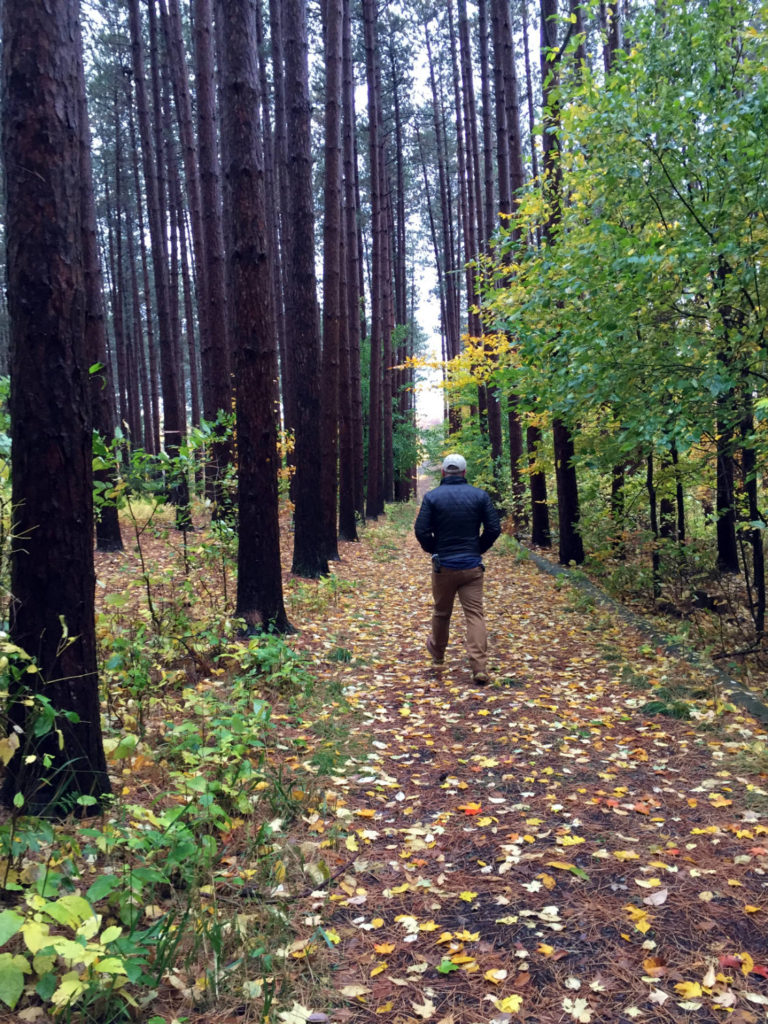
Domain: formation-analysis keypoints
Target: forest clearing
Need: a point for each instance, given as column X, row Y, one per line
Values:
column 383, row 841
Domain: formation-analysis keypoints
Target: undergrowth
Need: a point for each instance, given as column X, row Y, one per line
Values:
column 180, row 884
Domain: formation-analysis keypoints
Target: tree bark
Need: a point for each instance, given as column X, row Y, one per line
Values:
column 283, row 219
column 375, row 482
column 511, row 176
column 215, row 355
column 332, row 256
column 529, row 92
column 173, row 416
column 756, row 519
column 540, row 530
column 195, row 407
column 302, row 315
column 611, row 25
column 177, row 67
column 52, row 572
column 259, row 575
column 727, row 548
column 571, row 548
column 152, row 428
column 352, row 492
column 650, row 485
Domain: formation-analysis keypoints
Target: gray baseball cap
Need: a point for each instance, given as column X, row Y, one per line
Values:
column 454, row 463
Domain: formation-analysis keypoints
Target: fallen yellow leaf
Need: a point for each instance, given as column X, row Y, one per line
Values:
column 509, row 1005
column 747, row 963
column 689, row 989
column 495, row 975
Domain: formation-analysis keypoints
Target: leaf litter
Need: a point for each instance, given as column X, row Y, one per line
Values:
column 527, row 849
column 539, row 849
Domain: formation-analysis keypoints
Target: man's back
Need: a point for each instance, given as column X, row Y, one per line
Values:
column 450, row 520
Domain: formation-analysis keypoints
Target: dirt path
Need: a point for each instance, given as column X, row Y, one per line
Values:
column 540, row 848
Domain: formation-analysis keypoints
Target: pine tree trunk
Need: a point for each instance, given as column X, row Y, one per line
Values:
column 177, row 67
column 529, row 92
column 302, row 315
column 727, row 548
column 173, row 419
column 252, row 324
column 152, row 431
column 650, row 486
column 388, row 306
column 571, row 548
column 115, row 224
column 485, row 220
column 52, row 572
column 189, row 320
column 511, row 176
column 143, row 437
column 271, row 179
column 355, row 314
column 332, row 259
column 283, row 222
column 215, row 355
column 757, row 521
column 402, row 483
column 449, row 255
column 375, row 482
column 540, row 530
column 611, row 26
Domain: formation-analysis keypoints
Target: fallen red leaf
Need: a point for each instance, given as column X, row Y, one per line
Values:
column 729, row 961
column 470, row 808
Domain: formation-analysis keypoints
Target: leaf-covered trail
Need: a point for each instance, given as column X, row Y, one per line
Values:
column 539, row 847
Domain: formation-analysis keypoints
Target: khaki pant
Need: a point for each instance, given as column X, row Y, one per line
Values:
column 468, row 584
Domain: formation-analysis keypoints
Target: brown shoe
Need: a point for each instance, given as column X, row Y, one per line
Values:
column 437, row 659
column 481, row 679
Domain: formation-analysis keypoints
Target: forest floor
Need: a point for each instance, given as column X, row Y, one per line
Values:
column 555, row 846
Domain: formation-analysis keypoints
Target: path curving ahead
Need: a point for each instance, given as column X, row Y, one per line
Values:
column 541, row 849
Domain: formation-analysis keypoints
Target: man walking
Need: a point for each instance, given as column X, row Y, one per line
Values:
column 448, row 527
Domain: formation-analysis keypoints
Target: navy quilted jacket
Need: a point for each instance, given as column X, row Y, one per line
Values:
column 450, row 518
